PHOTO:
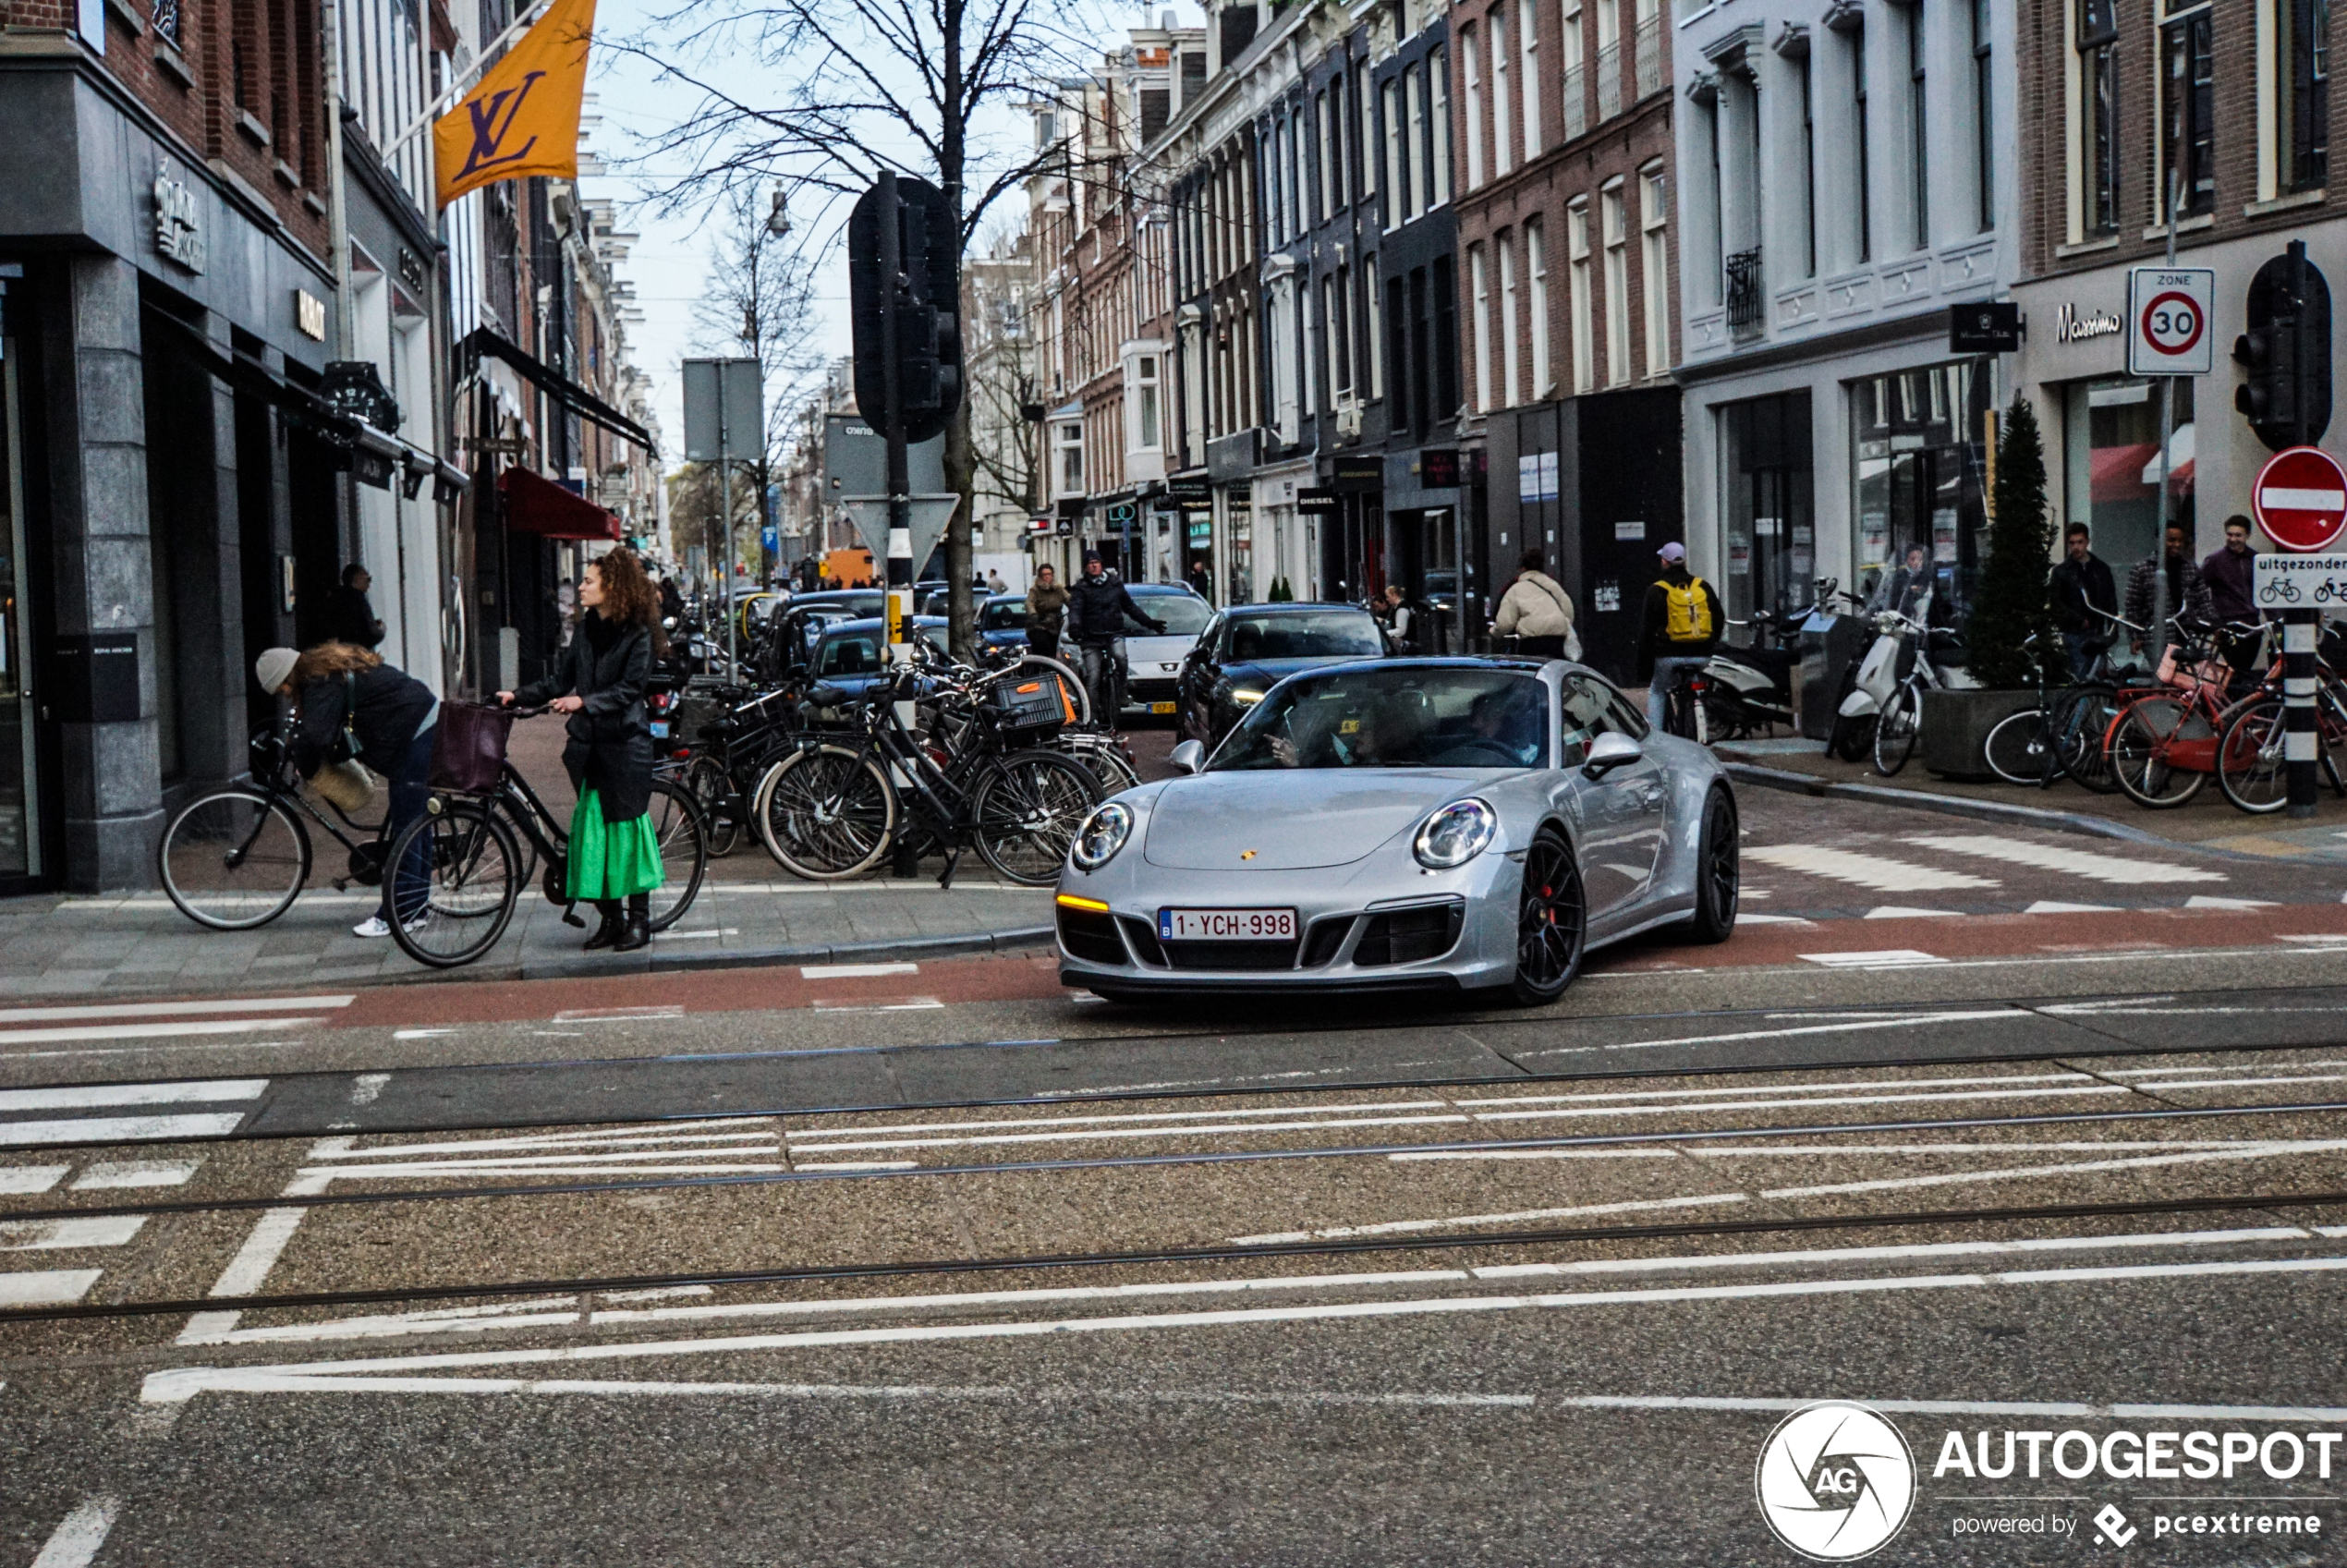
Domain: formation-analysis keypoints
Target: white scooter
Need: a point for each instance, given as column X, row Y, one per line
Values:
column 1882, row 710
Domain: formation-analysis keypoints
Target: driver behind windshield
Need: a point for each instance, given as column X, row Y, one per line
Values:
column 1509, row 719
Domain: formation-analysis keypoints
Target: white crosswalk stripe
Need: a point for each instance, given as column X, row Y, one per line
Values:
column 120, row 1114
column 1875, row 872
column 2117, row 870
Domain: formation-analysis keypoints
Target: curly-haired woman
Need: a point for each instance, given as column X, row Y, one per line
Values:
column 599, row 681
column 391, row 715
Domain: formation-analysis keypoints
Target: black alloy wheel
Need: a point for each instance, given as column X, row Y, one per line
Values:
column 1718, row 874
column 1552, row 922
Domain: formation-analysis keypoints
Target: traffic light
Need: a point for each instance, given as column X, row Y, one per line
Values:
column 925, row 297
column 2286, row 352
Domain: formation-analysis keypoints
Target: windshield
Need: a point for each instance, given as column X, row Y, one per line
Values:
column 1002, row 614
column 1314, row 634
column 1395, row 718
column 1184, row 615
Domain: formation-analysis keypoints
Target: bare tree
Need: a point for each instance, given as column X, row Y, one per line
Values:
column 856, row 86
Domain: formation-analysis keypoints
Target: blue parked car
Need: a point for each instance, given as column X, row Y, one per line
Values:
column 851, row 656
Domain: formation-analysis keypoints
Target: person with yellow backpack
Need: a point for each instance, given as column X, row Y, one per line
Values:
column 1681, row 626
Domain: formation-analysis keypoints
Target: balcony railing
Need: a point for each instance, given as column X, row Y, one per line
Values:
column 1743, row 294
column 1576, row 101
column 1609, row 80
column 1649, row 40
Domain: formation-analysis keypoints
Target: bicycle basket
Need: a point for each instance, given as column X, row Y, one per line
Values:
column 1041, row 702
column 468, row 747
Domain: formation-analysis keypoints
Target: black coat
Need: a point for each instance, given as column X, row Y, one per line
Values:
column 350, row 618
column 2076, row 587
column 389, row 708
column 611, row 744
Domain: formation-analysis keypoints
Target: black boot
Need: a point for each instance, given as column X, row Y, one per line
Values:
column 638, row 932
column 611, row 928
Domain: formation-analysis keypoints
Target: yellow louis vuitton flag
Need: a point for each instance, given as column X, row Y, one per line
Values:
column 522, row 117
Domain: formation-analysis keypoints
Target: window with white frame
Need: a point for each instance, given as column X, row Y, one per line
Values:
column 2301, row 75
column 1984, row 98
column 1573, row 80
column 1918, row 131
column 2099, row 145
column 1617, row 286
column 1396, row 193
column 1528, row 30
column 1148, row 436
column 1299, row 163
column 1471, row 69
column 1331, row 343
column 1536, row 268
column 1071, row 445
column 1307, row 323
column 1480, row 283
column 1654, row 215
column 1502, row 112
column 2187, row 107
column 1363, row 104
column 1578, row 283
column 1609, row 59
column 1338, row 302
column 1326, row 197
column 1438, row 88
column 1373, row 309
column 1511, row 387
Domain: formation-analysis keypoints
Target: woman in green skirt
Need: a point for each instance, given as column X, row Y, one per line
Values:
column 599, row 680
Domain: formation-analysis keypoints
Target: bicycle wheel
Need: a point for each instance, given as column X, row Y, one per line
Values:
column 1026, row 810
column 2021, row 750
column 684, row 853
column 471, row 877
column 2139, row 748
column 1099, row 757
column 826, row 813
column 712, row 791
column 234, row 860
column 2251, row 767
column 1895, row 732
column 2082, row 723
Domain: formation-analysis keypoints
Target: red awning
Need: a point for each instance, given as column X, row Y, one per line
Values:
column 540, row 506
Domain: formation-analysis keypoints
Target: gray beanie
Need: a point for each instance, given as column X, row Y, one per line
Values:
column 273, row 667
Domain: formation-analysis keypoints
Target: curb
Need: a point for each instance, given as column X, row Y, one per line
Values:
column 814, row 952
column 1982, row 811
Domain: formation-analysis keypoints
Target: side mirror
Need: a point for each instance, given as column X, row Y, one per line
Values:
column 1609, row 752
column 1189, row 757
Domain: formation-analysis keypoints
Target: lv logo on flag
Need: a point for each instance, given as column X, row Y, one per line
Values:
column 521, row 119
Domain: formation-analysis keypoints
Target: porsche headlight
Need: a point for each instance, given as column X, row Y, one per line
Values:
column 1245, row 696
column 1102, row 835
column 1455, row 834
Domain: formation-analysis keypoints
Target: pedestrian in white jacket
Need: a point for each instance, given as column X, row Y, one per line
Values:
column 1538, row 614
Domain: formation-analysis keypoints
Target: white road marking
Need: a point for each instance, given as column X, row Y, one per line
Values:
column 77, row 1542
column 1819, row 1256
column 262, row 1248
column 621, row 1137
column 1406, row 1227
column 1909, row 912
column 1746, row 918
column 659, row 1292
column 368, row 1087
column 2201, row 900
column 419, row 1034
column 1954, row 1178
column 1354, row 1108
column 171, row 1009
column 1884, row 958
column 106, row 1175
column 1696, row 1097
column 30, row 1178
column 1191, row 1130
column 1798, row 1150
column 182, row 1383
column 2031, row 1093
column 1905, row 1021
column 118, row 1129
column 2117, row 870
column 452, row 1319
column 151, row 1031
column 2055, row 906
column 47, row 1287
column 1874, row 871
column 2048, row 1409
column 618, row 1014
column 80, row 1096
column 856, row 1165
column 631, row 1388
column 708, row 932
column 951, row 1300
column 854, row 971
column 902, row 1005
column 57, row 1235
column 531, row 1168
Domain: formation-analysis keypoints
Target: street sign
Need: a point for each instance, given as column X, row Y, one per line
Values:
column 927, row 515
column 2301, row 582
column 726, row 391
column 2300, row 499
column 2167, row 312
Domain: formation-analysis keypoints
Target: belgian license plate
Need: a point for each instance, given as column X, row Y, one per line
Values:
column 1226, row 924
column 1161, row 707
column 660, row 729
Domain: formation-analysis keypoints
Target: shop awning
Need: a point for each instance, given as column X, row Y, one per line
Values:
column 540, row 506
column 558, row 386
column 2180, row 452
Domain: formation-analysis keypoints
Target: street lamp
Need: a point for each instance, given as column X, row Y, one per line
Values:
column 778, row 221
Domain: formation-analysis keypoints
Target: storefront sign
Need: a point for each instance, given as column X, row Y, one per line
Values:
column 1993, row 327
column 2300, row 498
column 309, row 315
column 2170, row 308
column 1316, row 501
column 1189, row 489
column 98, row 678
column 1439, row 468
column 1635, row 528
column 1536, row 476
column 1357, row 475
column 177, row 235
column 2300, row 582
column 2072, row 327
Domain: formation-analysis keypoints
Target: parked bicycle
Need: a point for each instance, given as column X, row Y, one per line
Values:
column 237, row 858
column 2163, row 743
column 2061, row 736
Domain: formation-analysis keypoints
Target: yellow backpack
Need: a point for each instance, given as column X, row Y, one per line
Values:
column 1688, row 614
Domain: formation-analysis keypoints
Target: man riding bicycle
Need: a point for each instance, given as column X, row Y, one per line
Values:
column 1097, row 607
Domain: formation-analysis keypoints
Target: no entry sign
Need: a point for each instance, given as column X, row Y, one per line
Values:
column 2168, row 333
column 2301, row 499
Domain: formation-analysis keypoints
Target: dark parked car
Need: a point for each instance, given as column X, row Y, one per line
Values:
column 1001, row 621
column 851, row 655
column 799, row 624
column 1246, row 650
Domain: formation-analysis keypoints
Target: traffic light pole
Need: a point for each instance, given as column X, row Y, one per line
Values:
column 2301, row 746
column 899, row 482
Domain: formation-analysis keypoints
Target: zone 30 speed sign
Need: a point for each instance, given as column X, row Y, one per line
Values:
column 2167, row 326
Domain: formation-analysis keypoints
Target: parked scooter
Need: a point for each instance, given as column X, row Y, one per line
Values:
column 1750, row 685
column 1904, row 661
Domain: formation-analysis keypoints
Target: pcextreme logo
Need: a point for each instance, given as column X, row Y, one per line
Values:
column 1835, row 1481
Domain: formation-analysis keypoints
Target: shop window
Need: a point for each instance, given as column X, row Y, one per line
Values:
column 1766, row 504
column 1917, row 465
column 2111, row 464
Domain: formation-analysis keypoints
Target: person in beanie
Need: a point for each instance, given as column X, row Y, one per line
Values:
column 1536, row 610
column 599, row 681
column 338, row 686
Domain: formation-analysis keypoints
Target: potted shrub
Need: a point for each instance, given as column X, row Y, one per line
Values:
column 2010, row 605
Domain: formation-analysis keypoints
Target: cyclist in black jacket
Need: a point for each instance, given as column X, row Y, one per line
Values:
column 1097, row 607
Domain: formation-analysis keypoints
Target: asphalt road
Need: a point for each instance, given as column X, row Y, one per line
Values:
column 937, row 1263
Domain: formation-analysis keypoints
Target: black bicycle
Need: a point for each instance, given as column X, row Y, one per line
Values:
column 461, row 867
column 237, row 858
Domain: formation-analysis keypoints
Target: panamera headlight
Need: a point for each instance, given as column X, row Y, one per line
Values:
column 1455, row 834
column 1245, row 696
column 1102, row 835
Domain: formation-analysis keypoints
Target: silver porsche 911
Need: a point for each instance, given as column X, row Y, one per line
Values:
column 1448, row 824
